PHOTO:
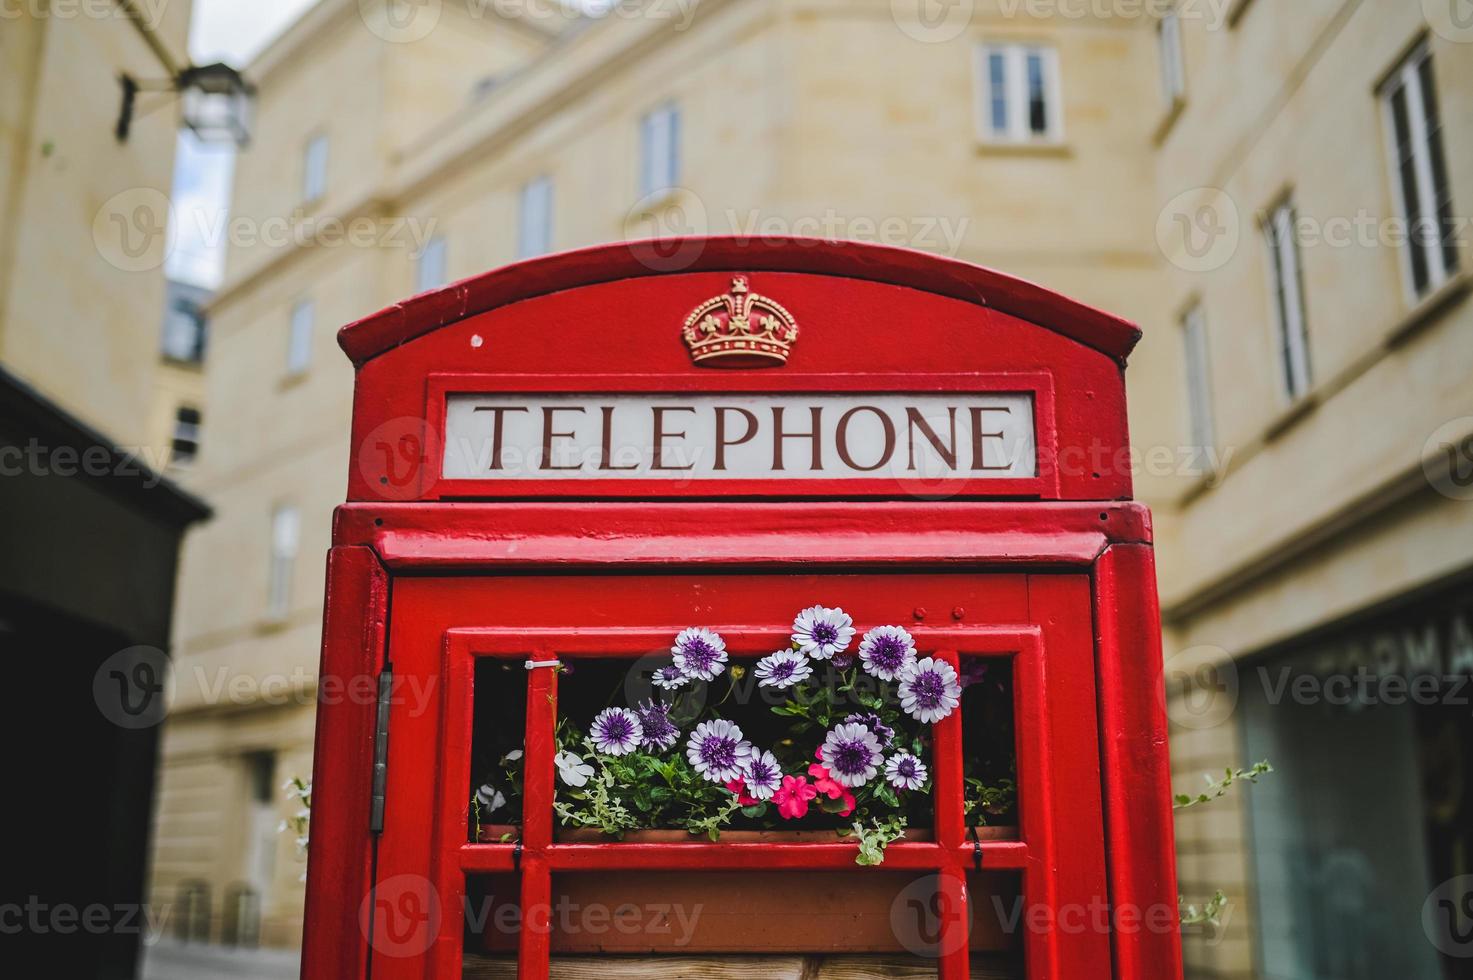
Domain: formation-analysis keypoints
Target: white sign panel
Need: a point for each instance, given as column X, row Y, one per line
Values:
column 740, row 436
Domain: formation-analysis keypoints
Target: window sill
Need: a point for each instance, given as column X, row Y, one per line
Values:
column 1168, row 120
column 290, row 380
column 1201, row 483
column 1042, row 148
column 1429, row 308
column 1237, row 10
column 1302, row 408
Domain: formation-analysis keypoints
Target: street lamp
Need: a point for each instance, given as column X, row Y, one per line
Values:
column 217, row 101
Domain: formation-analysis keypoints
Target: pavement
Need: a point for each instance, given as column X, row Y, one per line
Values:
column 171, row 960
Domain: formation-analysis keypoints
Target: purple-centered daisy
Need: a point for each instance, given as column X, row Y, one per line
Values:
column 851, row 753
column 717, row 750
column 699, row 653
column 885, row 651
column 669, row 678
column 782, row 669
column 929, row 690
column 615, row 731
column 658, row 731
column 821, row 632
column 872, row 721
column 843, row 661
column 762, row 775
column 905, row 771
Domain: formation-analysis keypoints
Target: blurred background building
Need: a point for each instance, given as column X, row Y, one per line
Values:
column 89, row 527
column 1270, row 189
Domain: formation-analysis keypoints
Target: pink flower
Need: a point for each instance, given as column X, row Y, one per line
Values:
column 793, row 796
column 826, row 784
column 738, row 787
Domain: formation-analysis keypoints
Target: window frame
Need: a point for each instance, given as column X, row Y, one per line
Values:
column 301, row 326
column 1016, row 100
column 1441, row 259
column 534, row 242
column 1287, row 298
column 667, row 178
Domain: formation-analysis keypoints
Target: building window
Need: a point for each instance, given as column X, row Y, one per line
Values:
column 1414, row 129
column 314, row 168
column 1173, row 65
column 1018, row 94
column 430, row 274
column 534, row 222
column 299, row 344
column 186, row 434
column 1199, row 382
column 1288, row 298
column 286, row 528
column 659, row 149
column 184, row 332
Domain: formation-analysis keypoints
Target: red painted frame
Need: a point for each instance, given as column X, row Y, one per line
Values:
column 951, row 854
column 873, row 318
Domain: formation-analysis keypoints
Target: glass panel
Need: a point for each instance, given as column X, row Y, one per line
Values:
column 1038, row 121
column 989, row 746
column 1441, row 186
column 997, row 70
column 500, row 722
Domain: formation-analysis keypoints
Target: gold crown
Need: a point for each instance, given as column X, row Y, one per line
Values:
column 740, row 329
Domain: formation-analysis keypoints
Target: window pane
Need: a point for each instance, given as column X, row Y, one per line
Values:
column 431, row 273
column 534, row 234
column 1407, row 175
column 1173, row 76
column 660, row 153
column 314, row 169
column 1199, row 386
column 186, row 434
column 1441, row 186
column 1289, row 300
column 285, row 531
column 1038, row 122
column 997, row 86
column 299, row 346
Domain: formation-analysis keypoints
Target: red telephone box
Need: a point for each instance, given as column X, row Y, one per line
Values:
column 567, row 461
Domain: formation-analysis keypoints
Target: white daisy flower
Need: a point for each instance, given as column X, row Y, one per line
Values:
column 782, row 669
column 905, row 771
column 616, row 731
column 821, row 632
column 886, row 651
column 851, row 753
column 699, row 653
column 762, row 776
column 929, row 690
column 717, row 750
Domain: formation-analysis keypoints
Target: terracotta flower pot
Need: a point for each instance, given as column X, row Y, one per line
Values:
column 863, row 910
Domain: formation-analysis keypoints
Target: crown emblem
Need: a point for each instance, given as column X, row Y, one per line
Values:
column 740, row 329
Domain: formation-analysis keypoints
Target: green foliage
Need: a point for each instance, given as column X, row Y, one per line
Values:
column 875, row 834
column 1217, row 788
column 982, row 800
column 641, row 791
column 1208, row 914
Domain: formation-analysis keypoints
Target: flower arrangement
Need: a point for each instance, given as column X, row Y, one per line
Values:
column 850, row 758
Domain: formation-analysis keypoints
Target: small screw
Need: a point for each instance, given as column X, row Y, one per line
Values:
column 958, row 613
column 920, row 612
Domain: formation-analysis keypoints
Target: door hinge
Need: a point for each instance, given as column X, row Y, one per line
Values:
column 381, row 750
